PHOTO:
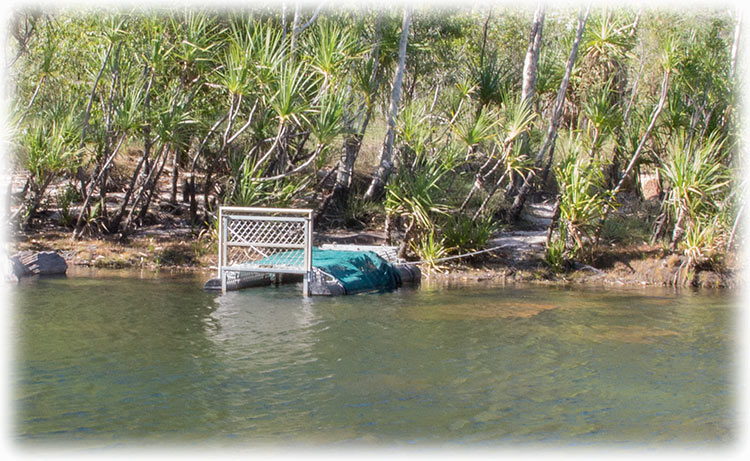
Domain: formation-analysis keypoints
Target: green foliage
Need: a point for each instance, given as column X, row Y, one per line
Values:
column 48, row 151
column 476, row 130
column 413, row 128
column 703, row 242
column 65, row 198
column 331, row 49
column 430, row 250
column 603, row 115
column 626, row 229
column 555, row 253
column 360, row 213
column 461, row 234
column 327, row 122
column 606, row 37
column 415, row 193
column 493, row 81
column 516, row 118
column 698, row 180
column 230, row 92
column 695, row 174
column 290, row 94
column 582, row 199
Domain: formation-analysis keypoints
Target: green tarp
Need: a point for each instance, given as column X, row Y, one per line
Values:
column 358, row 271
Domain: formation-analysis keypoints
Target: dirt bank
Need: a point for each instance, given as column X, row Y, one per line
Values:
column 171, row 247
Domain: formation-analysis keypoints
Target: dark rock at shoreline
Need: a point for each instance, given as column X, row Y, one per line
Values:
column 42, row 263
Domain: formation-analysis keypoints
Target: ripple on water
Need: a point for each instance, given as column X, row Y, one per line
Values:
column 160, row 360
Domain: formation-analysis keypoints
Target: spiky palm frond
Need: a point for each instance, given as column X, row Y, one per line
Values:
column 292, row 93
column 331, row 48
column 695, row 173
column 327, row 123
column 600, row 110
column 492, row 82
column 518, row 117
column 413, row 126
column 235, row 69
column 583, row 197
column 414, row 193
column 476, row 130
column 47, row 149
column 606, row 38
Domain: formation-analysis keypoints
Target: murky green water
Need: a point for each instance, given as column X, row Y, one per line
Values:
column 111, row 361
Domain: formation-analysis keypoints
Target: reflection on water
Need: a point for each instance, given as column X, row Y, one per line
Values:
column 118, row 360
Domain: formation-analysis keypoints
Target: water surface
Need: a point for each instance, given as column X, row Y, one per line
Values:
column 109, row 360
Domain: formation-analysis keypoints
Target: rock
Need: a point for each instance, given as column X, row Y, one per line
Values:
column 17, row 267
column 42, row 263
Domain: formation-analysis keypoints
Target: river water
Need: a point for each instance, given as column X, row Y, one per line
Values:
column 106, row 360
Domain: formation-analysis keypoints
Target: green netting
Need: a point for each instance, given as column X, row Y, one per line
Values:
column 358, row 271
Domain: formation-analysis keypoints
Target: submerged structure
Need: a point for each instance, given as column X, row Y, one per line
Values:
column 260, row 246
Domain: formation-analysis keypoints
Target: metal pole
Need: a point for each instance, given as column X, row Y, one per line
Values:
column 221, row 232
column 308, row 254
column 222, row 253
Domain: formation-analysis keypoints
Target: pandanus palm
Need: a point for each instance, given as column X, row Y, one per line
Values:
column 478, row 129
column 514, row 118
column 582, row 197
column 330, row 50
column 413, row 130
column 48, row 151
column 413, row 193
column 603, row 116
column 696, row 177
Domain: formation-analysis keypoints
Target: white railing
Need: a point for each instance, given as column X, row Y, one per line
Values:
column 265, row 240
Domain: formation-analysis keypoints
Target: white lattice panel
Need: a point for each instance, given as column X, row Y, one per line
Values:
column 265, row 232
column 265, row 240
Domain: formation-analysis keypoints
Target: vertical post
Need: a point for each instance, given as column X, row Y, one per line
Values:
column 223, row 220
column 308, row 254
column 221, row 253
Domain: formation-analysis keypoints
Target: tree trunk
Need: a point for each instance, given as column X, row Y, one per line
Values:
column 553, row 221
column 115, row 225
column 87, row 111
column 386, row 154
column 190, row 185
column 737, row 220
column 345, row 171
column 295, row 26
column 175, row 175
column 528, row 85
column 639, row 149
column 404, row 245
column 153, row 187
column 735, row 44
column 101, row 179
column 146, row 184
column 528, row 184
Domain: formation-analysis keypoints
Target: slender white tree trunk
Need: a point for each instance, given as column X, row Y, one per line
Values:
column 528, row 86
column 736, row 44
column 520, row 200
column 386, row 153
